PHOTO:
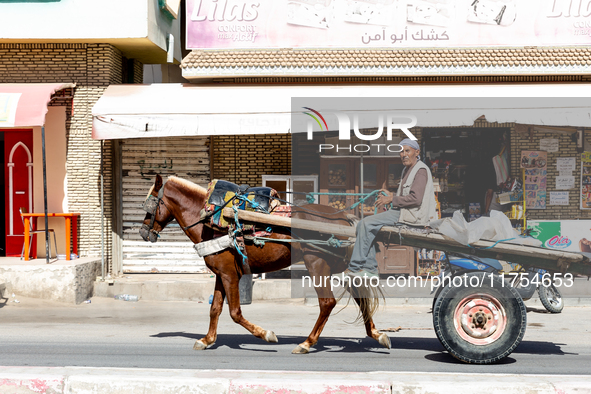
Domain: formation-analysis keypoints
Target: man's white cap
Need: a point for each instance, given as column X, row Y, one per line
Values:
column 408, row 142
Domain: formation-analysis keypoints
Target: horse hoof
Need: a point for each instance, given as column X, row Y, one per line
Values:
column 200, row 345
column 271, row 337
column 384, row 340
column 300, row 350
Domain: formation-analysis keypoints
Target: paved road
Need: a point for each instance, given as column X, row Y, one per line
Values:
column 110, row 333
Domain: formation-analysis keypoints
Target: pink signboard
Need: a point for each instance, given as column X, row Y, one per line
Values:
column 241, row 24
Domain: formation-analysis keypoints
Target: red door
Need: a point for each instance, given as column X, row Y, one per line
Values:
column 18, row 172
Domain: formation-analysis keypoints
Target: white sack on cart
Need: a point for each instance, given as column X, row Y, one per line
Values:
column 497, row 227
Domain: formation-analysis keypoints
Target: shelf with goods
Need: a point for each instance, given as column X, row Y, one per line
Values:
column 342, row 174
column 429, row 262
column 379, row 174
column 450, row 185
column 372, row 174
column 516, row 199
column 461, row 160
column 585, row 181
column 336, row 177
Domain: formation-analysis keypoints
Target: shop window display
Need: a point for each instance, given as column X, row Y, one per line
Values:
column 461, row 161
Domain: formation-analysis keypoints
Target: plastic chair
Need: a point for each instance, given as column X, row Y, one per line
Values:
column 32, row 232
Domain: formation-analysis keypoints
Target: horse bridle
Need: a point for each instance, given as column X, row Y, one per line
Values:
column 151, row 204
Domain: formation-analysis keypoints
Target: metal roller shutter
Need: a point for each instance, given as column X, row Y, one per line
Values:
column 142, row 159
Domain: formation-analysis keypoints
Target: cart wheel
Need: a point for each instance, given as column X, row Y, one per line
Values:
column 479, row 320
column 551, row 298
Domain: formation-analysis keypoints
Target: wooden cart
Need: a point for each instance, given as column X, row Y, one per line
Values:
column 480, row 319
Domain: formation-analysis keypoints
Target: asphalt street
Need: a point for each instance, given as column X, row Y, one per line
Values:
column 151, row 334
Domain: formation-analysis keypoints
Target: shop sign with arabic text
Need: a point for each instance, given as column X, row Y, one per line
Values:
column 218, row 24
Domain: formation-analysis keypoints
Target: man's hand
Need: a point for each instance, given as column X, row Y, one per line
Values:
column 385, row 197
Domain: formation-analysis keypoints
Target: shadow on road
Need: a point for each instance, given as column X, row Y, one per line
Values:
column 525, row 347
column 542, row 348
column 536, row 310
column 326, row 344
column 363, row 345
column 447, row 358
column 180, row 334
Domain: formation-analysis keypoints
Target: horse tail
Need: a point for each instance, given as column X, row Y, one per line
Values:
column 367, row 298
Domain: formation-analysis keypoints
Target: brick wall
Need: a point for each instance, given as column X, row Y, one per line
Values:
column 92, row 67
column 566, row 148
column 243, row 159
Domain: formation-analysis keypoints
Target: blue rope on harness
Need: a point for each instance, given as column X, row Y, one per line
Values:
column 495, row 244
column 238, row 230
column 244, row 257
column 334, row 242
column 253, row 204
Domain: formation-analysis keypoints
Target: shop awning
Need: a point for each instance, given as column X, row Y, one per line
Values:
column 25, row 105
column 159, row 110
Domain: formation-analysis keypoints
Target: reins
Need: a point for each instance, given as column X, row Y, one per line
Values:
column 207, row 216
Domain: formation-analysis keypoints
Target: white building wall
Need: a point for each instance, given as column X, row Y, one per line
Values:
column 111, row 21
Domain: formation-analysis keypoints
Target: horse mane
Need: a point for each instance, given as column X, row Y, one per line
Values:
column 150, row 192
column 188, row 185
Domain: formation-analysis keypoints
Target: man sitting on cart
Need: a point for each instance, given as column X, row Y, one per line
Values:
column 413, row 204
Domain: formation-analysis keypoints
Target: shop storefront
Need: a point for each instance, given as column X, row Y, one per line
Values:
column 429, row 45
column 166, row 130
column 26, row 116
column 141, row 159
column 477, row 134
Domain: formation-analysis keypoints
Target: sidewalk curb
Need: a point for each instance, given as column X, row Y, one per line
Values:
column 77, row 380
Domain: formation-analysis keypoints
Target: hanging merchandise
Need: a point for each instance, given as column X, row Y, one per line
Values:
column 501, row 168
column 534, row 163
column 586, row 180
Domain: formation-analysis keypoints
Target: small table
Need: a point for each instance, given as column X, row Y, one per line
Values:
column 71, row 230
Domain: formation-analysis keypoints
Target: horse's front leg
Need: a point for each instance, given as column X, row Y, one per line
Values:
column 320, row 274
column 217, row 305
column 231, row 280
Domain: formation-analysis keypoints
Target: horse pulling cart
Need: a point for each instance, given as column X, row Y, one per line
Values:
column 479, row 318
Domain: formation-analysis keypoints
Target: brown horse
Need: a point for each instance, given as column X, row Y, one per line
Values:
column 183, row 200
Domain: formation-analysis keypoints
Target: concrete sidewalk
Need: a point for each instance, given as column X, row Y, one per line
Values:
column 183, row 287
column 68, row 281
column 77, row 380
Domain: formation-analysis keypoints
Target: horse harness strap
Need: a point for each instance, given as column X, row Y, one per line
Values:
column 152, row 203
column 207, row 217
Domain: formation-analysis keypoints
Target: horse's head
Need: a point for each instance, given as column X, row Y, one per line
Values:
column 158, row 213
column 177, row 199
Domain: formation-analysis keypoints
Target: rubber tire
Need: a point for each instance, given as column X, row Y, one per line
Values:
column 509, row 298
column 546, row 298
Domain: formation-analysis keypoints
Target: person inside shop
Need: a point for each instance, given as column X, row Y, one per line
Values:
column 491, row 202
column 413, row 204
